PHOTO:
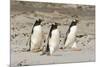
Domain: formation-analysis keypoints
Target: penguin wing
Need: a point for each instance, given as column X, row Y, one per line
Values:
column 67, row 33
column 65, row 39
column 47, row 47
column 33, row 27
column 66, row 36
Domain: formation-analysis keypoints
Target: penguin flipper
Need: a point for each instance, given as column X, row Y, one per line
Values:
column 65, row 39
column 66, row 36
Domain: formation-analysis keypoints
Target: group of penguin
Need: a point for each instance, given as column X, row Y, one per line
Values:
column 53, row 39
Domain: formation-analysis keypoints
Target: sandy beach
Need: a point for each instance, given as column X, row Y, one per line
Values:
column 24, row 14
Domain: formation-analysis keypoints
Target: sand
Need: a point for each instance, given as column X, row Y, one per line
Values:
column 23, row 16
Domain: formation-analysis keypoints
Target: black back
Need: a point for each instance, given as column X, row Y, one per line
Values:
column 73, row 23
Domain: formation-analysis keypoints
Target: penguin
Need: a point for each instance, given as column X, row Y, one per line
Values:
column 69, row 41
column 35, row 40
column 52, row 40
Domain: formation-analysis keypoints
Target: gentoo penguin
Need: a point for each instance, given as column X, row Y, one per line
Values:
column 52, row 40
column 35, row 41
column 69, row 41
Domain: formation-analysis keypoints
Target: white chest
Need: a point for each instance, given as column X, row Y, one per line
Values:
column 37, row 30
column 71, row 36
column 73, row 31
column 55, row 34
column 54, row 40
column 37, row 33
column 36, row 37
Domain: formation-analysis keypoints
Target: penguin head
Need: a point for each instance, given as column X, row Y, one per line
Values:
column 38, row 22
column 54, row 26
column 74, row 22
column 75, row 19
